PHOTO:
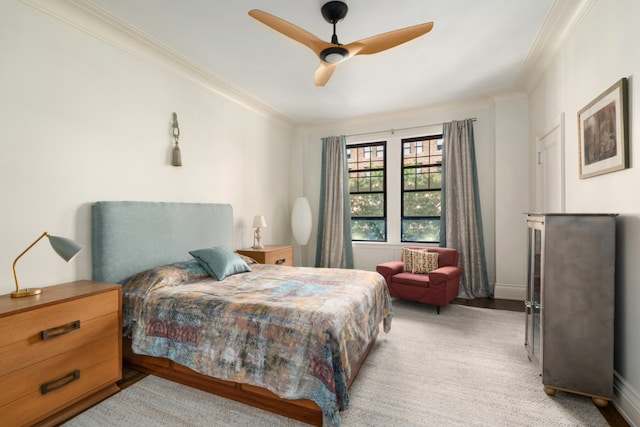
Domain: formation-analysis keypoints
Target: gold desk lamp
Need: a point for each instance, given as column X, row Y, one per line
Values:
column 66, row 248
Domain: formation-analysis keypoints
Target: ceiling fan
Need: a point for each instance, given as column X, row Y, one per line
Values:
column 332, row 54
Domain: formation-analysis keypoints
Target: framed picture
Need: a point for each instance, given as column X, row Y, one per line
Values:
column 603, row 132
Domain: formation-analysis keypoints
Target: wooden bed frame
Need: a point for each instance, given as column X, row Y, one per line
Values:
column 126, row 238
column 303, row 410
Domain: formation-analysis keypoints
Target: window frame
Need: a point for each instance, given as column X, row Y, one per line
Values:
column 403, row 218
column 373, row 157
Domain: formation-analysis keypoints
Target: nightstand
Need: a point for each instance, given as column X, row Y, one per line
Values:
column 271, row 254
column 60, row 351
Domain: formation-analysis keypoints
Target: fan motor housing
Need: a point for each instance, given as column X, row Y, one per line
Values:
column 334, row 11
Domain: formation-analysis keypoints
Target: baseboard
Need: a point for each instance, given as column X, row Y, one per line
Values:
column 508, row 291
column 626, row 400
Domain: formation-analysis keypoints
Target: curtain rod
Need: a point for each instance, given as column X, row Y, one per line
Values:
column 392, row 130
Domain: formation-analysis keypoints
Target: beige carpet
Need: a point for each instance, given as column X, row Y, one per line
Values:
column 465, row 367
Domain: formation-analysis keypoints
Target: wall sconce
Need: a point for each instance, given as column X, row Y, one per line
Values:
column 301, row 220
column 176, row 158
column 258, row 222
column 66, row 248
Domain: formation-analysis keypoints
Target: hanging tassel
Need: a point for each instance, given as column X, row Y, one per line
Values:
column 176, row 158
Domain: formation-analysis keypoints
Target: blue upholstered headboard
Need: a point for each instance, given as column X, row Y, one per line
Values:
column 129, row 237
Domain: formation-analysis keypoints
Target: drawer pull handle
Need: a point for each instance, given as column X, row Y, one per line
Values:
column 60, row 330
column 60, row 382
column 280, row 261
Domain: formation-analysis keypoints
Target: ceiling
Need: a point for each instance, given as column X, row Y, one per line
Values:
column 475, row 48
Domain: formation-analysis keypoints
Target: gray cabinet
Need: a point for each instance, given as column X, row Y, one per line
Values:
column 570, row 302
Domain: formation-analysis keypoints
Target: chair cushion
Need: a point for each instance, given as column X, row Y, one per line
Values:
column 407, row 259
column 419, row 260
column 424, row 262
column 412, row 279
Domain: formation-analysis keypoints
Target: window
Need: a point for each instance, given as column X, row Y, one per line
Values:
column 367, row 191
column 421, row 188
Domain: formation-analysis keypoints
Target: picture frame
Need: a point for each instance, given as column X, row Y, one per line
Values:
column 603, row 134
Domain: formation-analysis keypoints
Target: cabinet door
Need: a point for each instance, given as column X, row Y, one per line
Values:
column 534, row 282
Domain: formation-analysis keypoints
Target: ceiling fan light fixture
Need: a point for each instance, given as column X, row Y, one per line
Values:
column 333, row 55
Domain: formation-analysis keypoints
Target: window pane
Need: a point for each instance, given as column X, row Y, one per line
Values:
column 409, row 179
column 368, row 229
column 429, row 178
column 377, row 180
column 421, row 203
column 360, row 158
column 422, row 178
column 420, row 230
column 422, row 153
column 366, row 181
column 367, row 204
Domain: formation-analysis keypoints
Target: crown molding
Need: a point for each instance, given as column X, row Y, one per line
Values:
column 562, row 20
column 90, row 19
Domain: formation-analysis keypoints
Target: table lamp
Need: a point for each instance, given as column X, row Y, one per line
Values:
column 258, row 222
column 66, row 248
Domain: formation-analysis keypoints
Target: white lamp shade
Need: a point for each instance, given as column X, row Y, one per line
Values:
column 301, row 220
column 258, row 221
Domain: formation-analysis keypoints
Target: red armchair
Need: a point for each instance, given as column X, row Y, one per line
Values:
column 438, row 287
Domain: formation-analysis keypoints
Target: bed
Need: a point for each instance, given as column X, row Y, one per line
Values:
column 289, row 340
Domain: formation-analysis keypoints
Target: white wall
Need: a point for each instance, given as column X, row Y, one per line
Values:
column 83, row 121
column 512, row 197
column 603, row 49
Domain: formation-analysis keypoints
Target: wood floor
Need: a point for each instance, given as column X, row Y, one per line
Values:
column 499, row 304
column 610, row 413
column 130, row 377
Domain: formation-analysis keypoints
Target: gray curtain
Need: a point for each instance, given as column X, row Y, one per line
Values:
column 461, row 220
column 334, row 219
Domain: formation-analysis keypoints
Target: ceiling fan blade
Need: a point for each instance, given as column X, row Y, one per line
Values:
column 323, row 73
column 354, row 48
column 391, row 39
column 292, row 31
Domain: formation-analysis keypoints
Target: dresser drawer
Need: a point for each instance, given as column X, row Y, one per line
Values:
column 29, row 324
column 35, row 406
column 282, row 256
column 37, row 335
column 27, row 382
column 271, row 254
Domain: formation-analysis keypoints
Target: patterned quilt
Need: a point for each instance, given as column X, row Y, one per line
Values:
column 295, row 331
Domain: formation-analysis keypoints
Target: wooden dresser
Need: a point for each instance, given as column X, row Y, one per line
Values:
column 60, row 351
column 270, row 254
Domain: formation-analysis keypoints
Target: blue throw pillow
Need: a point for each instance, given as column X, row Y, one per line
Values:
column 220, row 262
